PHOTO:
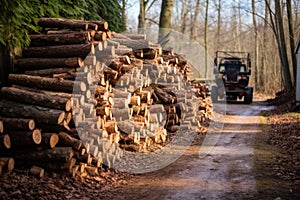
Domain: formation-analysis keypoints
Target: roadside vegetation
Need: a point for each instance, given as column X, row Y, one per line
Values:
column 277, row 152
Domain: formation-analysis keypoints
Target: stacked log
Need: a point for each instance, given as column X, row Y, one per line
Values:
column 81, row 95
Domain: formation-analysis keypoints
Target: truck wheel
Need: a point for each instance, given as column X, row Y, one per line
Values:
column 214, row 94
column 248, row 98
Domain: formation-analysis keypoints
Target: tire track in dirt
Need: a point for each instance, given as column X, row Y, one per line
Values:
column 222, row 171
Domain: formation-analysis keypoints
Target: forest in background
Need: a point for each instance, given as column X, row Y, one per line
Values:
column 268, row 29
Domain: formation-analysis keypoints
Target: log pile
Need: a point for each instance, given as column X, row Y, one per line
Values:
column 81, row 94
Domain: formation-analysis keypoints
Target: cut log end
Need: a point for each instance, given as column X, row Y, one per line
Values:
column 68, row 105
column 1, row 127
column 37, row 171
column 53, row 140
column 37, row 136
column 6, row 141
column 8, row 163
column 31, row 124
column 61, row 118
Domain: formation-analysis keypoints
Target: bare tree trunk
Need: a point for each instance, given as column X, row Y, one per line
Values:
column 234, row 29
column 292, row 41
column 263, row 74
column 205, row 35
column 219, row 23
column 165, row 17
column 124, row 17
column 239, row 27
column 194, row 20
column 282, row 47
column 256, row 78
column 142, row 17
column 183, row 16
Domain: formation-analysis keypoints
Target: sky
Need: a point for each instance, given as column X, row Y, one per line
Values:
column 133, row 10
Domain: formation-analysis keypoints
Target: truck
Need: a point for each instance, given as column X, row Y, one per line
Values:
column 232, row 71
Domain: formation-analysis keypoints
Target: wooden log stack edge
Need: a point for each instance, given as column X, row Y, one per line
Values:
column 80, row 91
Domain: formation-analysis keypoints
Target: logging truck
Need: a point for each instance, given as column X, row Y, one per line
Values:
column 232, row 71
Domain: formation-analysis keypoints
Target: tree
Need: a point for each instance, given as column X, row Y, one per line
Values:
column 15, row 27
column 205, row 35
column 256, row 74
column 194, row 20
column 291, row 36
column 145, row 5
column 282, row 47
column 165, row 17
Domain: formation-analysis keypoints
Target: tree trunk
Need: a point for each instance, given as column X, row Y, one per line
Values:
column 142, row 17
column 282, row 47
column 256, row 74
column 124, row 16
column 183, row 16
column 195, row 19
column 205, row 37
column 165, row 17
column 219, row 23
column 292, row 41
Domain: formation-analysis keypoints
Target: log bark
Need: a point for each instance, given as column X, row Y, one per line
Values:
column 23, row 64
column 40, row 114
column 61, row 51
column 100, row 36
column 47, row 83
column 134, row 36
column 145, row 53
column 25, row 138
column 18, row 124
column 133, row 44
column 49, row 140
column 69, row 141
column 49, row 72
column 102, row 25
column 57, row 154
column 66, row 23
column 8, row 163
column 57, row 129
column 34, row 98
column 37, row 171
column 60, row 39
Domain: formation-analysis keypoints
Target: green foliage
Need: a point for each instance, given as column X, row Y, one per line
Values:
column 19, row 17
column 108, row 10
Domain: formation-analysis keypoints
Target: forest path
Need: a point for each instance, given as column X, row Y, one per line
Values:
column 221, row 171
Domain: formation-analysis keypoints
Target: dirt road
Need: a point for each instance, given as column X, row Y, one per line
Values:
column 221, row 170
